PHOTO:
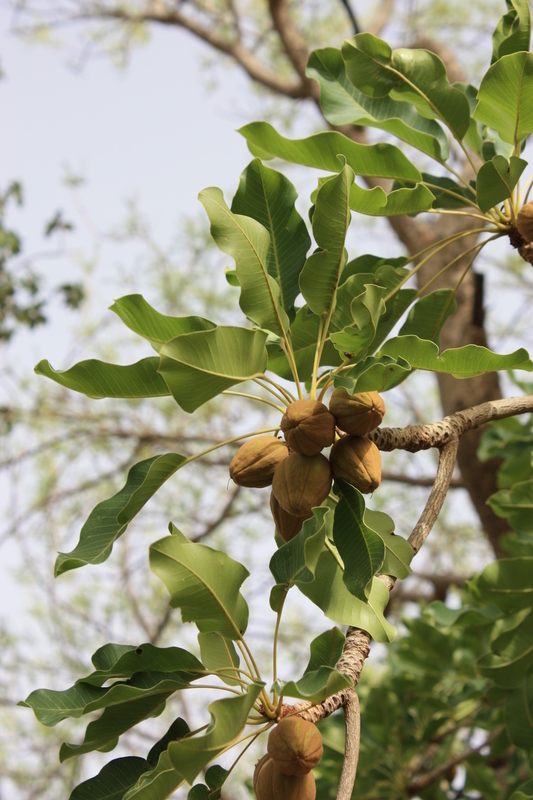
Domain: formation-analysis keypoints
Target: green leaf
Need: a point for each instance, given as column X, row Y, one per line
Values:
column 248, row 242
column 461, row 362
column 504, row 97
column 512, row 656
column 141, row 318
column 321, row 273
column 519, row 715
column 360, row 548
column 398, row 555
column 219, row 656
column 110, row 518
column 124, row 661
column 329, row 593
column 497, row 179
column 516, row 505
column 429, row 314
column 374, row 374
column 269, row 197
column 297, row 559
column 113, row 780
column 412, row 76
column 448, row 193
column 343, row 104
column 323, row 149
column 466, row 616
column 513, row 31
column 314, row 686
column 304, row 338
column 199, row 366
column 481, row 778
column 97, row 379
column 177, row 730
column 524, row 793
column 160, row 782
column 507, row 584
column 377, row 203
column 202, row 582
column 228, row 718
column 365, row 311
column 326, row 649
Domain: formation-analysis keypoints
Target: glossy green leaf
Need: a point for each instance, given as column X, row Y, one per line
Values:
column 228, row 719
column 516, row 505
column 512, row 655
column 269, row 197
column 97, row 379
column 343, row 104
column 315, row 686
column 366, row 311
column 323, row 149
column 215, row 776
column 519, row 715
column 513, row 31
column 361, row 549
column 177, row 730
column 248, row 242
column 202, row 582
column 429, row 314
column 504, row 97
column 321, row 273
column 497, row 179
column 326, row 649
column 329, row 593
column 113, row 780
column 374, row 374
column 160, row 782
column 398, row 555
column 297, row 559
column 448, row 193
column 304, row 338
column 507, row 584
column 123, row 661
column 219, row 655
column 143, row 319
column 377, row 202
column 412, row 76
column 199, row 366
column 110, row 518
column 461, row 362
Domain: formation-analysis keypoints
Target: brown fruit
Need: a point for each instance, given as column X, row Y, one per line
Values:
column 357, row 461
column 357, row 414
column 524, row 222
column 308, row 427
column 295, row 746
column 301, row 482
column 286, row 525
column 257, row 770
column 271, row 784
column 255, row 462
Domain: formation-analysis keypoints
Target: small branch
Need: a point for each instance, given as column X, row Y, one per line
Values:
column 411, row 480
column 352, row 721
column 294, row 45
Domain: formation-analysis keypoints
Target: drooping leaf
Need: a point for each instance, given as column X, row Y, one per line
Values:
column 160, row 782
column 504, row 97
column 466, row 616
column 202, row 582
column 113, row 780
column 323, row 149
column 507, row 584
column 329, row 593
column 374, row 373
column 321, row 272
column 123, row 661
column 297, row 559
column 429, row 314
column 412, row 76
column 448, row 193
column 110, row 518
column 228, row 718
column 269, row 197
column 360, row 548
column 497, row 179
column 461, row 362
column 366, row 311
column 342, row 104
column 219, row 656
column 177, row 730
column 377, row 202
column 326, row 649
column 515, row 504
column 398, row 552
column 512, row 655
column 315, row 686
column 199, row 366
column 143, row 319
column 519, row 715
column 248, row 242
column 97, row 379
column 524, row 793
column 304, row 337
column 513, row 30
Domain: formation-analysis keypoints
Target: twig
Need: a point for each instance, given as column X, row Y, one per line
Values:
column 352, row 721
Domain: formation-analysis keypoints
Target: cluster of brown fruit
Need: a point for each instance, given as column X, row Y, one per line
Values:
column 299, row 473
column 284, row 773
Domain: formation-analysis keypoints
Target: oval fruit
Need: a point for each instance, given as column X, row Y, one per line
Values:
column 256, row 460
column 271, row 784
column 286, row 524
column 295, row 746
column 308, row 427
column 357, row 414
column 357, row 461
column 301, row 482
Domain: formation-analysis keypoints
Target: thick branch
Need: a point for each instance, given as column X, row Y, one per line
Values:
column 352, row 721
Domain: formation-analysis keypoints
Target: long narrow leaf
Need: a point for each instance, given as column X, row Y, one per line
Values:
column 98, row 379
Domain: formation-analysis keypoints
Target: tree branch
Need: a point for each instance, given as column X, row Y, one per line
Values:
column 352, row 720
